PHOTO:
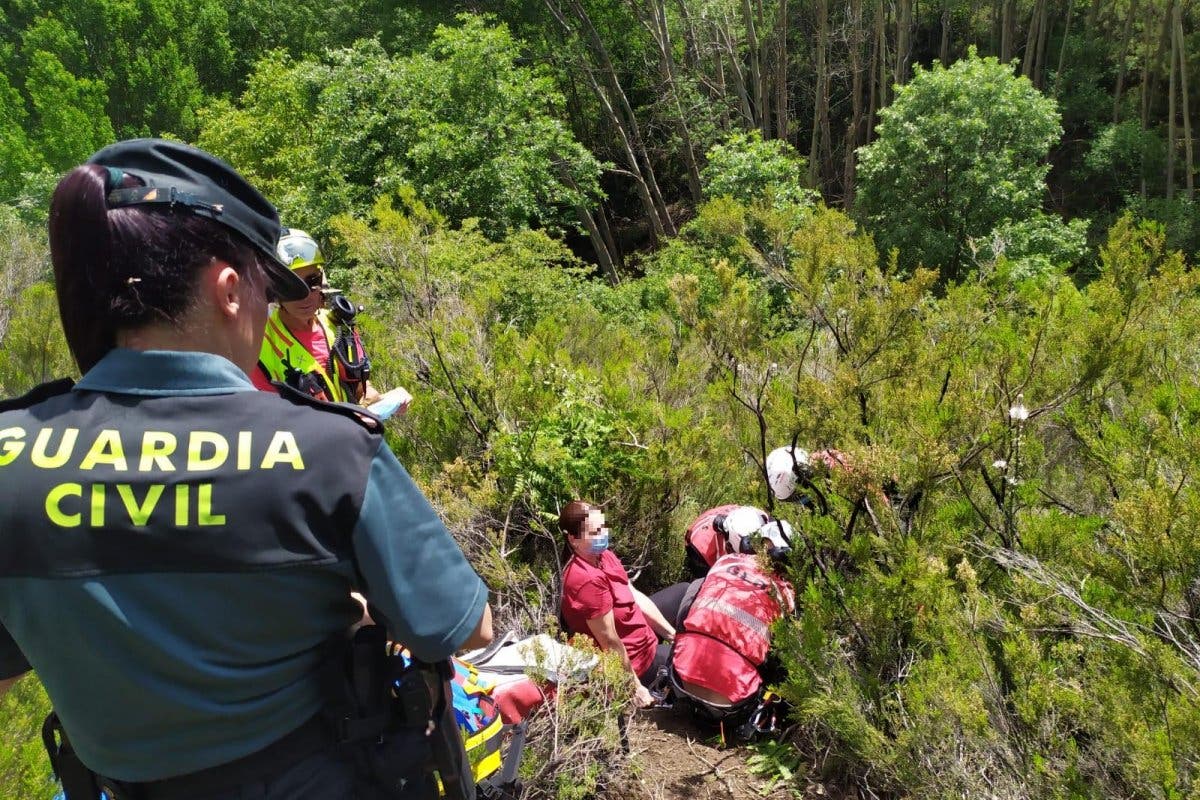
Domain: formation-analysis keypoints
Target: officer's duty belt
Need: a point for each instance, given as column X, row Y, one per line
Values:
column 293, row 748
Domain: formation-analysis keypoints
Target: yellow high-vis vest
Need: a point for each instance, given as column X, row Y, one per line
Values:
column 284, row 359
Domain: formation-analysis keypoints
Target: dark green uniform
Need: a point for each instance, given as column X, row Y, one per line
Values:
column 177, row 551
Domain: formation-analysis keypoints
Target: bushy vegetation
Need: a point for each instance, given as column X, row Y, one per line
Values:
column 1027, row 624
column 961, row 151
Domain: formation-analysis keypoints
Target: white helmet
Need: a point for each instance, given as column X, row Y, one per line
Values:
column 784, row 466
column 297, row 249
column 778, row 534
column 739, row 524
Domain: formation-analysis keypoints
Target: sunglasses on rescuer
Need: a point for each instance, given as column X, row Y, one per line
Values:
column 316, row 280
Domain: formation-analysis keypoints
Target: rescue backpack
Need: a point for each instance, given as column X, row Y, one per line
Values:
column 725, row 638
column 704, row 542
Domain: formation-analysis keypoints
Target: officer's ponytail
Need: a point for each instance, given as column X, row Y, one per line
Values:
column 80, row 248
column 122, row 268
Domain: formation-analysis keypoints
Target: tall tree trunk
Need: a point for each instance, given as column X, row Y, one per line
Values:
column 653, row 17
column 781, row 73
column 1039, row 59
column 820, row 93
column 873, row 85
column 739, row 77
column 618, row 259
column 904, row 17
column 625, row 125
column 1093, row 15
column 636, row 141
column 1160, row 52
column 756, row 81
column 1006, row 30
column 691, row 51
column 1145, row 99
column 1171, row 81
column 1121, row 63
column 1062, row 51
column 944, row 44
column 996, row 27
column 1189, row 180
column 721, row 90
column 1028, row 62
column 885, row 87
column 764, row 69
column 635, row 170
column 600, row 246
column 853, row 130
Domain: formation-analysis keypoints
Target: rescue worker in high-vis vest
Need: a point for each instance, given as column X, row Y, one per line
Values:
column 311, row 347
column 178, row 550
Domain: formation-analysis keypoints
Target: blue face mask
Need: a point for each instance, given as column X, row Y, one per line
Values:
column 599, row 544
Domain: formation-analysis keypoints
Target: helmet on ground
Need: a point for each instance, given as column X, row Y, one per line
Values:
column 739, row 524
column 297, row 249
column 778, row 535
column 785, row 465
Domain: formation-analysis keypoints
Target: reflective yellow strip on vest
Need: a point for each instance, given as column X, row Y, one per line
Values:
column 483, row 749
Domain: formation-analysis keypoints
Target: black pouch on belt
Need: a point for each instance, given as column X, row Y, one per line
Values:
column 78, row 782
column 397, row 717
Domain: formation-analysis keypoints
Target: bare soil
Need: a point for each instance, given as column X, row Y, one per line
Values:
column 679, row 758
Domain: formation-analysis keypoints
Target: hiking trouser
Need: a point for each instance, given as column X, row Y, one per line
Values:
column 662, row 654
column 667, row 601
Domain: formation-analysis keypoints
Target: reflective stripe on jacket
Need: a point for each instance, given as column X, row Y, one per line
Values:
column 283, row 357
column 727, row 631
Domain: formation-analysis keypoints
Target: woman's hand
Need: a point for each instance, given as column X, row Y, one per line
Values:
column 642, row 696
column 405, row 401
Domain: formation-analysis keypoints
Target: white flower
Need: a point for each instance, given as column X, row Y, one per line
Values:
column 1018, row 412
column 1000, row 463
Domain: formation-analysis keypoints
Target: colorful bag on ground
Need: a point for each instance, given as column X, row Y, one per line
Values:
column 478, row 718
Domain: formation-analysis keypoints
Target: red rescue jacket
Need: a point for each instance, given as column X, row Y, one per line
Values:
column 709, row 543
column 727, row 631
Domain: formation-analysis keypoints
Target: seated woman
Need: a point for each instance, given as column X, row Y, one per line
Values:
column 599, row 600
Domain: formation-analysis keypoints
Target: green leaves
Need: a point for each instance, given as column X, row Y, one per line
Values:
column 475, row 132
column 959, row 152
column 749, row 169
column 71, row 123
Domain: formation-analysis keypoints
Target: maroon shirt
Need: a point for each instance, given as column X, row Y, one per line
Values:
column 590, row 592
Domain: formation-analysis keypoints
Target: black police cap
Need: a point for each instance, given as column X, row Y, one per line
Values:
column 187, row 177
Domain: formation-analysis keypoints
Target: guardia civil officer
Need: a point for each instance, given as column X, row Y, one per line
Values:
column 178, row 550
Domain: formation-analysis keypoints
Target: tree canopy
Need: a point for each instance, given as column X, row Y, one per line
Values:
column 465, row 124
column 960, row 152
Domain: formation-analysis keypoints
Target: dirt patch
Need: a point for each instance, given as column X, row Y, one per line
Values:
column 680, row 758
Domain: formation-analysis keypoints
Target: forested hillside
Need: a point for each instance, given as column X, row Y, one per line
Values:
column 621, row 249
